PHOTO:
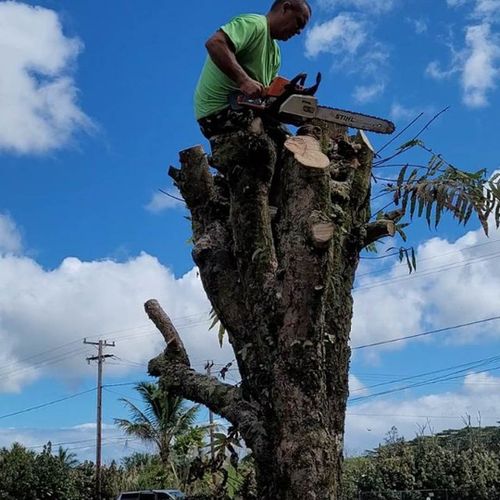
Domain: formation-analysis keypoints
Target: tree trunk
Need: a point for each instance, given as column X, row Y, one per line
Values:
column 281, row 287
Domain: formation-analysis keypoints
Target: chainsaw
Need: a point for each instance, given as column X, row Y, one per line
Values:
column 291, row 102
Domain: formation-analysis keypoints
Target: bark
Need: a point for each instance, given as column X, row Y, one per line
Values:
column 281, row 287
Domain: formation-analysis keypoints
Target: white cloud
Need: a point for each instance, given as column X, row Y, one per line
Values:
column 435, row 71
column 482, row 9
column 420, row 25
column 347, row 37
column 456, row 3
column 400, row 112
column 395, row 304
column 477, row 62
column 356, row 386
column 10, row 237
column 488, row 9
column 376, row 6
column 38, row 97
column 45, row 314
column 373, row 60
column 160, row 201
column 480, row 69
column 340, row 35
column 367, row 423
column 368, row 93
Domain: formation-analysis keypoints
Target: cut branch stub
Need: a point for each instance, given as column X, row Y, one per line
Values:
column 395, row 215
column 322, row 233
column 307, row 151
column 379, row 229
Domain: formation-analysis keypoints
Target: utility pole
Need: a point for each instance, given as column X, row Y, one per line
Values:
column 208, row 368
column 99, row 358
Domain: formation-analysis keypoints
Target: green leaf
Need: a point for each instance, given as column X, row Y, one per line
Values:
column 468, row 213
column 421, row 200
column 401, row 176
column 411, row 144
column 413, row 202
column 399, row 229
column 428, row 212
column 404, row 202
column 222, row 331
column 413, row 175
column 441, row 198
column 214, row 318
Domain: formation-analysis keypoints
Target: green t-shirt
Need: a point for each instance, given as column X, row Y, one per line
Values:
column 258, row 54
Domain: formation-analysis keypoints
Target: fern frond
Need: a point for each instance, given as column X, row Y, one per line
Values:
column 445, row 188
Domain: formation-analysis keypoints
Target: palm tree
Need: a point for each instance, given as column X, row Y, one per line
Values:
column 164, row 418
column 67, row 458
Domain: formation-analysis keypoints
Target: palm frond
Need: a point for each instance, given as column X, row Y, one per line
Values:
column 186, row 420
column 163, row 418
column 140, row 430
column 139, row 418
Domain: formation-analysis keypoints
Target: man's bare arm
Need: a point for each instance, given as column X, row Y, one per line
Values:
column 221, row 51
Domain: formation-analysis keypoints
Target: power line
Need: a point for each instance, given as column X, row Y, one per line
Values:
column 49, row 403
column 420, row 384
column 412, row 416
column 429, row 272
column 77, row 442
column 423, row 334
column 58, row 357
column 425, row 259
column 122, row 384
column 463, row 366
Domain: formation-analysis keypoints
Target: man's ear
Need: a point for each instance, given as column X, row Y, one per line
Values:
column 286, row 6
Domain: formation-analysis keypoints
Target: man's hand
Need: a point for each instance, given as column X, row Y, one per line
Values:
column 252, row 88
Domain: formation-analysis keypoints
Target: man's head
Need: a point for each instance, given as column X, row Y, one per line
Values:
column 288, row 18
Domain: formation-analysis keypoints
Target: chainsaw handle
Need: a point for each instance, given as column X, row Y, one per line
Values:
column 299, row 80
column 274, row 95
column 312, row 90
column 296, row 85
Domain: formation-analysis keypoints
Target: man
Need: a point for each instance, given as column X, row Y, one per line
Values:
column 243, row 56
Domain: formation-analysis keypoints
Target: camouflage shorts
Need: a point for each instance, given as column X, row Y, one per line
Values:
column 226, row 121
column 230, row 120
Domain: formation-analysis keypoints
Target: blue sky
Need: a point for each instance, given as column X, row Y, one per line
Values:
column 95, row 103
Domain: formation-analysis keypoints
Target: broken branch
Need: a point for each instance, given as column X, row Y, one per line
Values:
column 173, row 368
column 175, row 347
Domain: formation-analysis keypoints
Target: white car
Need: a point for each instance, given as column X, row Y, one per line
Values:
column 151, row 495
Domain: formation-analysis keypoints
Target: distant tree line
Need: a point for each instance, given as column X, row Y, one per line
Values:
column 454, row 464
column 457, row 464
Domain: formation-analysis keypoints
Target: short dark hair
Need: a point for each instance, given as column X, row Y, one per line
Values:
column 295, row 4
